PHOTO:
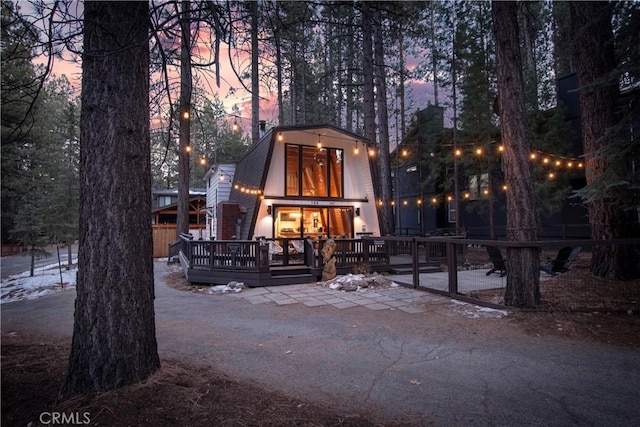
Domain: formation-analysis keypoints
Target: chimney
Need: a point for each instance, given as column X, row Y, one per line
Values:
column 263, row 127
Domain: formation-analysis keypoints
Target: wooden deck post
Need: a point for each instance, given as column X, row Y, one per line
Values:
column 452, row 267
column 415, row 257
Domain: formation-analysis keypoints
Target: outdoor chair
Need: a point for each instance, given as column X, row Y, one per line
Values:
column 562, row 263
column 498, row 262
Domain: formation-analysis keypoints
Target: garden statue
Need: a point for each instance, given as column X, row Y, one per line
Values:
column 329, row 270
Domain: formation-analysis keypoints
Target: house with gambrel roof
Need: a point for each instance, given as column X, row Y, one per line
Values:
column 312, row 181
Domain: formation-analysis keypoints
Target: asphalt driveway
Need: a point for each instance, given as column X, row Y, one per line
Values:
column 438, row 361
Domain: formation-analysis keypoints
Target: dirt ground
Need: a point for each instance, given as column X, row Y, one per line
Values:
column 34, row 369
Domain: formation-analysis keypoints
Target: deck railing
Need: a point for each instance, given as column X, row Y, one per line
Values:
column 261, row 256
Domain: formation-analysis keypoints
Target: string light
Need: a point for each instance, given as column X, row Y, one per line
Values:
column 546, row 159
column 247, row 189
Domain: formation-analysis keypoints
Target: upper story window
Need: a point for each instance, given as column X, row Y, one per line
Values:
column 314, row 172
column 164, row 201
column 478, row 186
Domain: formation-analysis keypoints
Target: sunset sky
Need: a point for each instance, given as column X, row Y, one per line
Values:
column 418, row 93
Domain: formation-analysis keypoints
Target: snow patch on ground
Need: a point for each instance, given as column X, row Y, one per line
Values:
column 359, row 282
column 231, row 287
column 477, row 312
column 45, row 281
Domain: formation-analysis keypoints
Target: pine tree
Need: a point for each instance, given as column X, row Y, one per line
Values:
column 606, row 169
column 29, row 231
column 114, row 341
column 523, row 287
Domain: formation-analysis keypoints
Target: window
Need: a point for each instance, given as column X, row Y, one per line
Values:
column 292, row 170
column 314, row 222
column 313, row 172
column 451, row 209
column 478, row 185
column 164, row 201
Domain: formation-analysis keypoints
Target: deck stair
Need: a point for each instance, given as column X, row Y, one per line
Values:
column 423, row 267
column 290, row 275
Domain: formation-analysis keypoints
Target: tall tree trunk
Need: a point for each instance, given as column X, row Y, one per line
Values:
column 528, row 16
column 368, row 99
column 403, row 80
column 350, row 83
column 255, row 80
column 367, row 74
column 523, row 287
column 454, row 87
column 595, row 61
column 383, row 125
column 563, row 50
column 114, row 340
column 293, row 85
column 184, row 155
column 277, row 43
column 434, row 50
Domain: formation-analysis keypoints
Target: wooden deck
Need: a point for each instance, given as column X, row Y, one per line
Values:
column 256, row 264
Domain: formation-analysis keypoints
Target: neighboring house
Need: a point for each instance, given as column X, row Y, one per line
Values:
column 218, row 178
column 164, row 216
column 423, row 210
column 298, row 182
